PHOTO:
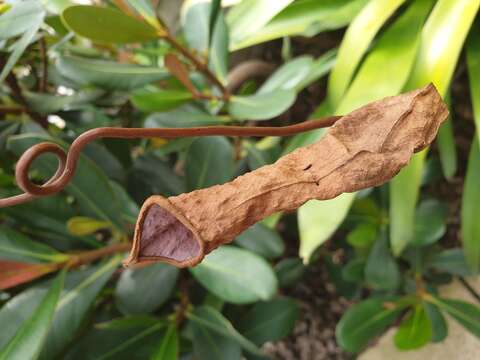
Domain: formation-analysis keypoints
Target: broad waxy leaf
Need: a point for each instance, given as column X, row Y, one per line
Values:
column 209, row 345
column 451, row 261
column 307, row 18
column 195, row 24
column 430, row 222
column 140, row 291
column 401, row 33
column 414, row 331
column 161, row 100
column 20, row 18
column 355, row 43
column 363, row 322
column 168, row 347
column 211, row 319
column 108, row 74
column 209, row 161
column 446, row 145
column 107, row 25
column 262, row 106
column 269, row 321
column 89, row 186
column 289, row 271
column 470, row 226
column 437, row 320
column 236, row 275
column 468, row 315
column 28, row 340
column 442, row 40
column 288, row 76
column 381, row 270
column 16, row 246
column 218, row 55
column 262, row 241
column 249, row 16
column 81, row 290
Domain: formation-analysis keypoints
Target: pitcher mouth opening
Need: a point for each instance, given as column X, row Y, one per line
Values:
column 164, row 234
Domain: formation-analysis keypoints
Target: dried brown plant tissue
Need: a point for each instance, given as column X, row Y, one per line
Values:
column 364, row 148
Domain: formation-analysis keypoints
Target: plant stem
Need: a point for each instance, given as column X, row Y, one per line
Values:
column 199, row 65
column 89, row 256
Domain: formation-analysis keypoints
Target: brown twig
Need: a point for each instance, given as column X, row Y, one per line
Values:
column 248, row 70
column 68, row 162
column 11, row 110
column 199, row 65
column 90, row 256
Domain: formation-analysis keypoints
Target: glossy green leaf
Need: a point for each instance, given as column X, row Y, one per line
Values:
column 108, row 74
column 211, row 319
column 363, row 236
column 186, row 116
column 209, row 162
column 269, row 321
column 89, row 186
column 107, row 25
column 20, row 18
column 363, row 322
column 236, row 275
column 143, row 290
column 81, row 290
column 470, row 226
column 442, row 40
column 18, row 247
column 381, row 270
column 262, row 241
column 307, row 18
column 451, row 261
column 288, row 76
column 438, row 323
column 446, row 145
column 317, row 223
column 430, row 219
column 468, row 315
column 289, row 271
column 146, row 9
column 162, row 100
column 247, row 17
column 218, row 55
column 414, row 331
column 209, row 345
column 46, row 103
column 28, row 340
column 355, row 43
column 195, row 24
column 261, row 106
column 168, row 347
column 82, row 225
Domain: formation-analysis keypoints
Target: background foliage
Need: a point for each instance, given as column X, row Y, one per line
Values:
column 67, row 68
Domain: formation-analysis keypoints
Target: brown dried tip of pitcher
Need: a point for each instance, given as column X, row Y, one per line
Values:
column 363, row 149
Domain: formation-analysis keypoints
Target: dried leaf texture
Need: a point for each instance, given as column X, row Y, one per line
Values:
column 364, row 148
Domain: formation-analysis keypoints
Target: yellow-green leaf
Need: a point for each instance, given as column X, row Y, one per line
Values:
column 82, row 225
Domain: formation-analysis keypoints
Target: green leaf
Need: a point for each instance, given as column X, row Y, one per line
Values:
column 470, row 226
column 16, row 246
column 316, row 222
column 140, row 291
column 249, row 16
column 473, row 63
column 261, row 106
column 146, row 10
column 446, row 145
column 269, row 321
column 106, row 25
column 186, row 116
column 211, row 319
column 218, row 55
column 262, row 241
column 81, row 290
column 354, row 270
column 236, row 275
column 209, row 161
column 82, row 225
column 289, row 75
column 437, row 320
column 28, row 340
column 18, row 48
column 89, row 186
column 363, row 322
column 355, row 43
column 168, row 347
column 307, row 18
column 381, row 270
column 46, row 103
column 20, row 18
column 430, row 222
column 289, row 271
column 468, row 315
column 442, row 40
column 451, row 261
column 108, row 75
column 209, row 345
column 414, row 331
column 162, row 100
column 195, row 24
column 363, row 236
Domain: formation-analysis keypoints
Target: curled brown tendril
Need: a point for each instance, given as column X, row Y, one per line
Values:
column 68, row 161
